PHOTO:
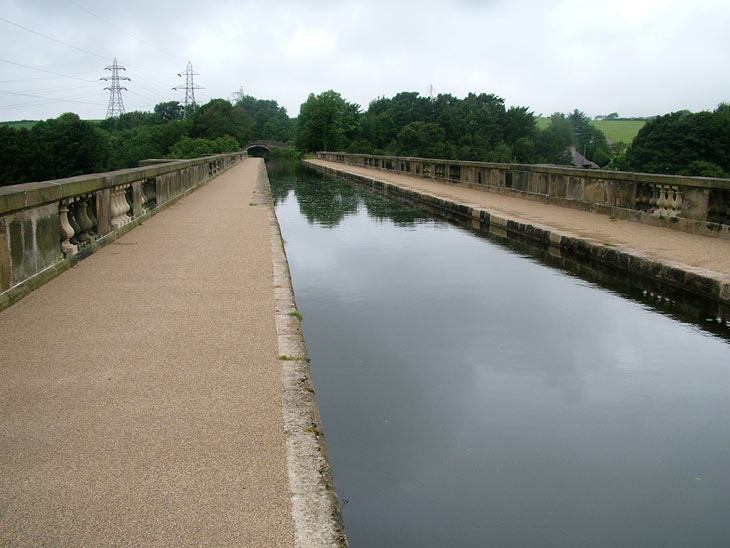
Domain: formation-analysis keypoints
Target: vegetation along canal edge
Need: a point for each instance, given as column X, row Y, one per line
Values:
column 315, row 505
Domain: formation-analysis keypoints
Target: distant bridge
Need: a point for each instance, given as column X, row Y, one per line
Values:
column 262, row 148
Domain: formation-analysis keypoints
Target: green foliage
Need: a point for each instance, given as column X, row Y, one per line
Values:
column 144, row 142
column 285, row 153
column 551, row 143
column 424, row 140
column 129, row 120
column 684, row 143
column 195, row 148
column 219, row 118
column 169, row 112
column 701, row 168
column 67, row 146
column 271, row 121
column 478, row 127
column 326, row 122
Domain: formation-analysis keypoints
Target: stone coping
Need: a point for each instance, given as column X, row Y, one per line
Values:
column 619, row 176
column 316, row 510
column 26, row 195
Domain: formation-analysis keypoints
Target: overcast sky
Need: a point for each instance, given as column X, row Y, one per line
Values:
column 634, row 57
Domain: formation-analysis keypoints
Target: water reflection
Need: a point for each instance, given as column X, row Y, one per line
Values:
column 472, row 396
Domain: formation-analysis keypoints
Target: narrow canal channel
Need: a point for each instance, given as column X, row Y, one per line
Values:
column 472, row 396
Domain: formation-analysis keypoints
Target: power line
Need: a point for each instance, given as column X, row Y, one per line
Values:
column 53, row 39
column 46, row 71
column 47, row 98
column 120, row 29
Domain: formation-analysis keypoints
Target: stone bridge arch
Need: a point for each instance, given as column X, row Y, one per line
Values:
column 261, row 149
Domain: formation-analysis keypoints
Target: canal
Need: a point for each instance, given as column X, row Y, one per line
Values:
column 474, row 395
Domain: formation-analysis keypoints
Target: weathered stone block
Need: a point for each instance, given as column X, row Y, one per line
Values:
column 103, row 211
column 47, row 236
column 41, row 193
column 574, row 188
column 11, row 199
column 541, row 183
column 521, row 180
column 695, row 203
column 81, row 185
column 557, row 186
column 137, row 199
column 594, row 192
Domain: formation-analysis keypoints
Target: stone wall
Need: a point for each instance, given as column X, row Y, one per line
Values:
column 48, row 226
column 692, row 204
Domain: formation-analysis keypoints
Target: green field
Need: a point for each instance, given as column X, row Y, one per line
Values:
column 30, row 123
column 19, row 124
column 620, row 131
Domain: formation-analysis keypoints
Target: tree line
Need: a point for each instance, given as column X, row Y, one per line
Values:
column 478, row 127
column 68, row 146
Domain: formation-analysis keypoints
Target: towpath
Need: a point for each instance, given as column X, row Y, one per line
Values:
column 693, row 252
column 141, row 391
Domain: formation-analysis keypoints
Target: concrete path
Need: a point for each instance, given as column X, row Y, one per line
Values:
column 140, row 391
column 666, row 245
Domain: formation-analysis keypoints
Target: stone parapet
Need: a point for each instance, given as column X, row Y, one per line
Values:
column 699, row 205
column 46, row 227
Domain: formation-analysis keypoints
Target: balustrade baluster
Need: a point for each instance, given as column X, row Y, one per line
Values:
column 72, row 219
column 67, row 231
column 84, row 221
column 676, row 202
column 117, row 208
column 91, row 213
column 654, row 198
column 129, row 209
column 660, row 202
column 113, row 210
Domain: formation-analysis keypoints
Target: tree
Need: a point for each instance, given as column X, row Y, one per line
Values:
column 68, row 146
column 683, row 143
column 195, row 148
column 424, row 140
column 551, row 144
column 154, row 141
column 169, row 111
column 219, row 118
column 588, row 139
column 128, row 120
column 271, row 122
column 326, row 122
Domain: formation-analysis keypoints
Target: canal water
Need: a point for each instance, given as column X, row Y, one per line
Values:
column 474, row 396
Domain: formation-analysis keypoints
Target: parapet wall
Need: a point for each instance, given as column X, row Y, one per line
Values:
column 47, row 227
column 699, row 205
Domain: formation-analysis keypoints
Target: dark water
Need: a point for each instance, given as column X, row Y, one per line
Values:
column 472, row 396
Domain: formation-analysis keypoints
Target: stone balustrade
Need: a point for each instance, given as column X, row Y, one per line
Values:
column 698, row 205
column 48, row 226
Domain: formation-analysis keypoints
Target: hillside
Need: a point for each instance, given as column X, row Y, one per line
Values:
column 622, row 131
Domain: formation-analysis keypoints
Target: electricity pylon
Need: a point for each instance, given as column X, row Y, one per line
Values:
column 189, row 86
column 116, row 105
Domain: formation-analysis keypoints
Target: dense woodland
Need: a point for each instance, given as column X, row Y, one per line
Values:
column 477, row 127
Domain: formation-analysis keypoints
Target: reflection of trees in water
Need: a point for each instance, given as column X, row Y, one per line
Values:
column 327, row 201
